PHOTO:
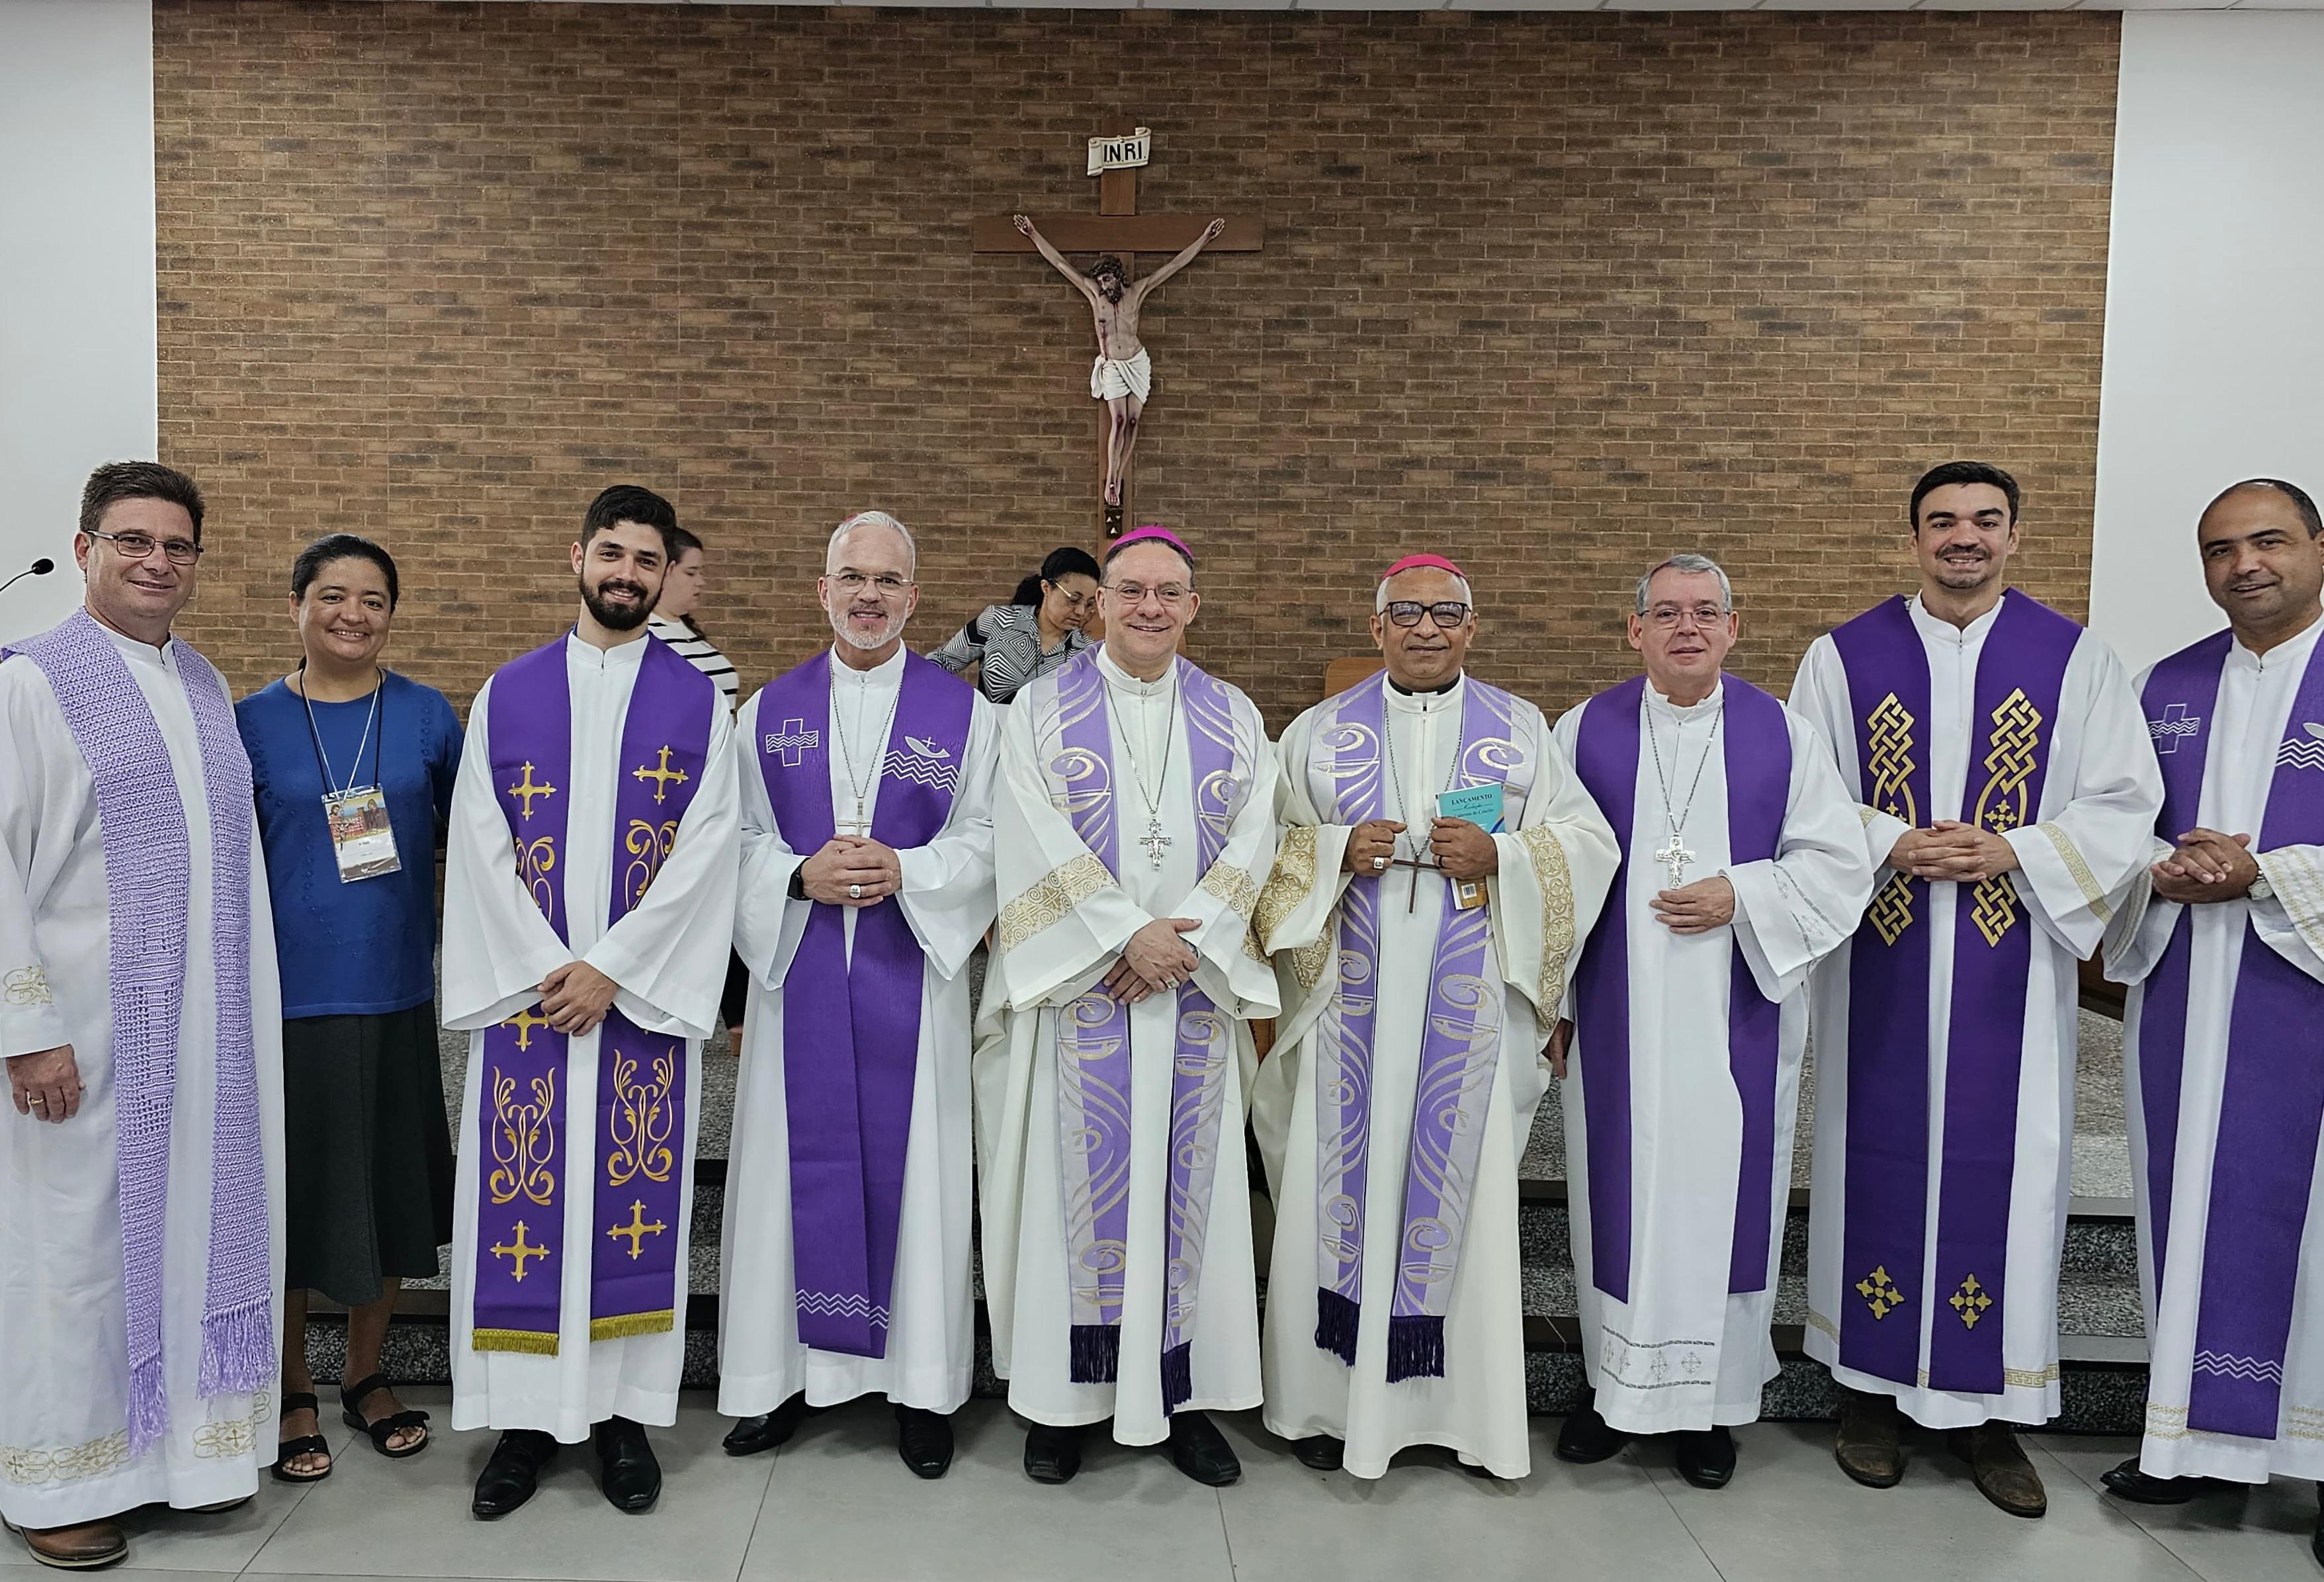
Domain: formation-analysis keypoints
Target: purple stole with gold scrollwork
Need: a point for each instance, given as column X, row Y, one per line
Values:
column 2271, row 1097
column 2020, row 677
column 1459, row 1049
column 1758, row 762
column 1094, row 1046
column 639, row 1128
column 851, row 1033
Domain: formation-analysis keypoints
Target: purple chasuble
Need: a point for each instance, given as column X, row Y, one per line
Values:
column 1758, row 761
column 2020, row 675
column 1094, row 1041
column 2272, row 1101
column 639, row 1129
column 1460, row 1040
column 142, row 827
column 849, row 1058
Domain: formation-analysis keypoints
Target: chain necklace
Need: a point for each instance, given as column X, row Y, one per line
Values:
column 860, row 825
column 1675, row 856
column 1156, row 840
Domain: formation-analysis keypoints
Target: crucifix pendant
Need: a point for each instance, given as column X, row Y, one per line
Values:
column 859, row 825
column 1675, row 857
column 1154, row 841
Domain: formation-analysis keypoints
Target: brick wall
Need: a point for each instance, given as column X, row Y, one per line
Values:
column 1553, row 293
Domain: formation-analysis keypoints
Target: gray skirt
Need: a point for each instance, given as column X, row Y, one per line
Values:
column 367, row 1188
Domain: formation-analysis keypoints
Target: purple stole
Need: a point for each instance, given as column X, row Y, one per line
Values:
column 639, row 1126
column 2020, row 675
column 1758, row 761
column 1093, row 1040
column 2272, row 1104
column 1460, row 1050
column 850, row 1053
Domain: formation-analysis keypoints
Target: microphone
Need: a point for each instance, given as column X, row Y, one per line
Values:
column 39, row 567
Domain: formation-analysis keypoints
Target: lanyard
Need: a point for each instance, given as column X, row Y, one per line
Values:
column 331, row 788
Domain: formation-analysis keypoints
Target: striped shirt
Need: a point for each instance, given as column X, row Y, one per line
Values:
column 1006, row 639
column 698, row 651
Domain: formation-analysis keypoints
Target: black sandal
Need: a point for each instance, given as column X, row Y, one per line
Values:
column 386, row 1428
column 306, row 1445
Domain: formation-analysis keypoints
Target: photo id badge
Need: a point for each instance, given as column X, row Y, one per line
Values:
column 361, row 835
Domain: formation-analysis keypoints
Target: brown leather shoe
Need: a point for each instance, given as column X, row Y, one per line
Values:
column 84, row 1547
column 1998, row 1464
column 1869, row 1444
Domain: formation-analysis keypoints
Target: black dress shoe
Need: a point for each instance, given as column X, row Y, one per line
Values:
column 626, row 1468
column 514, row 1472
column 1706, row 1457
column 923, row 1439
column 1199, row 1450
column 1052, row 1454
column 769, row 1429
column 1587, row 1437
column 1321, row 1451
column 2126, row 1482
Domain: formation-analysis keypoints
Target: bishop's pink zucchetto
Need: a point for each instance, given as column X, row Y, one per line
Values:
column 1156, row 532
column 1424, row 563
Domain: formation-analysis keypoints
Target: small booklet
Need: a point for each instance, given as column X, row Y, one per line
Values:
column 1480, row 805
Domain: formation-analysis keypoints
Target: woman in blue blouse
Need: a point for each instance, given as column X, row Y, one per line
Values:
column 353, row 766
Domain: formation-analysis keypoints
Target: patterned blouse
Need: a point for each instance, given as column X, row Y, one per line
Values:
column 1007, row 640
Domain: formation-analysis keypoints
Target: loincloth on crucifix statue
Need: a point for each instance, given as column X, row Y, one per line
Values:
column 1111, row 378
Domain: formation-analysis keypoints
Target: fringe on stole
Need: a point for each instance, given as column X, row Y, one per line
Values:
column 1415, row 1347
column 532, row 1342
column 1094, row 1356
column 239, row 1355
column 149, row 1407
column 1178, row 1376
column 1335, row 1325
column 633, row 1324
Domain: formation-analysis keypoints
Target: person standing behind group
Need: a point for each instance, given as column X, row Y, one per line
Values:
column 673, row 619
column 1037, row 631
column 353, row 768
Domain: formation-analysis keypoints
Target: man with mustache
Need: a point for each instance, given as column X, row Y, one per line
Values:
column 1419, row 957
column 1994, row 748
column 867, row 879
column 1743, row 865
column 1133, row 825
column 141, row 1258
column 588, row 899
column 1124, row 374
column 2223, row 941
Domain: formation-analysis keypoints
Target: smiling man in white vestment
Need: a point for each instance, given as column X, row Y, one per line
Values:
column 1420, row 954
column 1133, row 825
column 141, row 1166
column 1743, row 865
column 588, row 900
column 1996, row 753
column 867, row 879
column 2223, row 939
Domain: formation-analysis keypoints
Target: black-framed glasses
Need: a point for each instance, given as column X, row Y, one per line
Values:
column 138, row 546
column 1447, row 613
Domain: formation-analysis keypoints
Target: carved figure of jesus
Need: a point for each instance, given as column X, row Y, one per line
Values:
column 1124, row 374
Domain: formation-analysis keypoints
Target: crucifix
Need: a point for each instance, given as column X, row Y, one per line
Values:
column 1675, row 857
column 1122, row 375
column 1154, row 841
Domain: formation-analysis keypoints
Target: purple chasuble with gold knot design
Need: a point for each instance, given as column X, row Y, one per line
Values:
column 636, row 1139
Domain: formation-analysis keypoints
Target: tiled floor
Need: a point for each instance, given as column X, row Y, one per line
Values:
column 836, row 1504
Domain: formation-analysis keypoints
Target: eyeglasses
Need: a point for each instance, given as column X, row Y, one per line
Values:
column 1667, row 617
column 1074, row 601
column 138, row 546
column 1171, row 594
column 1447, row 614
column 851, row 583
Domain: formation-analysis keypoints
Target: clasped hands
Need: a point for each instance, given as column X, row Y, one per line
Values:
column 1950, row 851
column 2207, row 866
column 851, row 871
column 1462, row 849
column 1154, row 960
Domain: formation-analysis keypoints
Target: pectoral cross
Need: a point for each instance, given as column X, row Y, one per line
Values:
column 1154, row 841
column 857, row 825
column 1675, row 857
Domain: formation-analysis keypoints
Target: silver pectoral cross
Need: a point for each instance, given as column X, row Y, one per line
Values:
column 857, row 825
column 1675, row 857
column 1154, row 841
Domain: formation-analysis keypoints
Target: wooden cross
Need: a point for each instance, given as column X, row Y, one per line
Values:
column 637, row 1230
column 661, row 776
column 529, row 791
column 519, row 1252
column 1116, row 227
column 524, row 1022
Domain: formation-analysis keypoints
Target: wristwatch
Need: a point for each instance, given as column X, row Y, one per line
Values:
column 2261, row 889
column 798, row 888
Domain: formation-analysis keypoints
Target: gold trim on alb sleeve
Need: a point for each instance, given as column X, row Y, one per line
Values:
column 1051, row 899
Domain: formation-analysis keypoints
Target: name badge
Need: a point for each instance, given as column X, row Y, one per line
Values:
column 362, row 838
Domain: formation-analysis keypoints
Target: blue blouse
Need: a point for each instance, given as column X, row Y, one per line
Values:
column 364, row 948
